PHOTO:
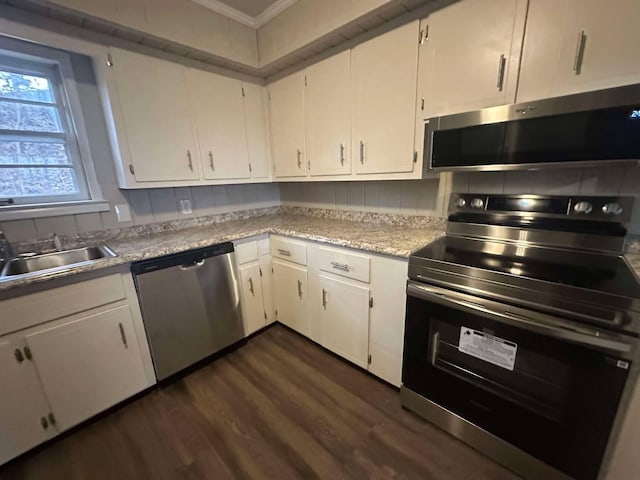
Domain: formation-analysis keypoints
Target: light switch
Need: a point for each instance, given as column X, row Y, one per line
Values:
column 123, row 213
column 185, row 207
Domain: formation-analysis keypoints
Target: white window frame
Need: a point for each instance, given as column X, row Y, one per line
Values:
column 56, row 65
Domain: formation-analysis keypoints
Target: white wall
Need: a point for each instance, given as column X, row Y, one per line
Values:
column 152, row 205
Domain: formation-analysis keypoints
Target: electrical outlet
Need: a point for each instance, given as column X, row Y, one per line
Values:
column 123, row 214
column 185, row 207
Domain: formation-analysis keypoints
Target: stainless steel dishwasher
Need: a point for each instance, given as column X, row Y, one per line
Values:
column 190, row 305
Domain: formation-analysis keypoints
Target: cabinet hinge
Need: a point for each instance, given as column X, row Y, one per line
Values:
column 131, row 169
column 369, row 359
column 52, row 419
column 109, row 60
column 415, row 157
column 243, row 91
column 422, row 104
column 371, row 302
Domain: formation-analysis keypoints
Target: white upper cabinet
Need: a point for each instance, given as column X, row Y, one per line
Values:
column 286, row 107
column 257, row 128
column 573, row 46
column 470, row 55
column 384, row 76
column 219, row 120
column 154, row 104
column 327, row 115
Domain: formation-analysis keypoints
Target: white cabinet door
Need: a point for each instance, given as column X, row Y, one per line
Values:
column 267, row 287
column 471, row 55
column 286, row 107
column 22, row 403
column 384, row 76
column 291, row 292
column 327, row 115
column 344, row 319
column 386, row 334
column 89, row 364
column 154, row 104
column 252, row 298
column 218, row 117
column 574, row 46
column 257, row 128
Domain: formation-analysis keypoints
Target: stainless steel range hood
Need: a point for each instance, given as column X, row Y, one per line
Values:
column 594, row 128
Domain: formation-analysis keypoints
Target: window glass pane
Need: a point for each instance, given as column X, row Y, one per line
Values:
column 25, row 182
column 25, row 87
column 33, row 153
column 34, row 118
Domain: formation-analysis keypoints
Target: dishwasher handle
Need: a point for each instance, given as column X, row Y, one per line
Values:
column 192, row 266
column 184, row 260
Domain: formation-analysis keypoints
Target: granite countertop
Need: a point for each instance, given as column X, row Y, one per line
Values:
column 394, row 240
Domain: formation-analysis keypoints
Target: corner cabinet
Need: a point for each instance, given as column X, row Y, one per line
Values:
column 286, row 108
column 384, row 76
column 62, row 364
column 173, row 126
column 574, row 46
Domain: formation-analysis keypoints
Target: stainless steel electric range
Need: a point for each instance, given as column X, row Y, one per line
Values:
column 521, row 326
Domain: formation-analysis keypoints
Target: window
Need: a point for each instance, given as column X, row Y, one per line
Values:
column 39, row 157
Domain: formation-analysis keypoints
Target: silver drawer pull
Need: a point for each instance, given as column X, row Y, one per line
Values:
column 577, row 61
column 324, row 299
column 300, row 289
column 341, row 154
column 253, row 293
column 283, row 252
column 341, row 266
column 502, row 63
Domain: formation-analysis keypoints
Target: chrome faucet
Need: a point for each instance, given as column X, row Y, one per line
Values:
column 6, row 250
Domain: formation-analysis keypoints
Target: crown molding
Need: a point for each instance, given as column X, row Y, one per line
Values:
column 241, row 17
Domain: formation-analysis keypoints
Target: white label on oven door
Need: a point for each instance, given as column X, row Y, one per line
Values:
column 486, row 347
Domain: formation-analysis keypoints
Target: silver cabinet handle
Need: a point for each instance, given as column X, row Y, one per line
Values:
column 284, row 253
column 324, row 299
column 341, row 266
column 300, row 289
column 18, row 354
column 299, row 154
column 123, row 335
column 502, row 63
column 341, row 154
column 361, row 152
column 189, row 161
column 27, row 353
column 211, row 161
column 577, row 61
column 44, row 422
column 253, row 293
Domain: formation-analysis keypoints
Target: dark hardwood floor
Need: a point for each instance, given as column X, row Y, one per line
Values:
column 279, row 407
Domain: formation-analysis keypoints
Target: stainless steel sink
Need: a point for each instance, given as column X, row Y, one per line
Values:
column 55, row 260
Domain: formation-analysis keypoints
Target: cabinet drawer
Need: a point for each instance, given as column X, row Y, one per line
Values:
column 289, row 250
column 346, row 264
column 246, row 252
column 35, row 308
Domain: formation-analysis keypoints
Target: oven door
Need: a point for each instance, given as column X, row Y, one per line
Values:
column 541, row 383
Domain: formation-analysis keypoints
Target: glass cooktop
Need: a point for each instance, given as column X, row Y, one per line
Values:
column 592, row 271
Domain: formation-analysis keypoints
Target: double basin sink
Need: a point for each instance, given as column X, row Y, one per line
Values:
column 53, row 262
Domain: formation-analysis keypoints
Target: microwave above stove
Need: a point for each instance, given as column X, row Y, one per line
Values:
column 594, row 128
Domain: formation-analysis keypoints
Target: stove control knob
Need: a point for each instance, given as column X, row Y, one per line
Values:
column 612, row 209
column 583, row 207
column 460, row 202
column 477, row 203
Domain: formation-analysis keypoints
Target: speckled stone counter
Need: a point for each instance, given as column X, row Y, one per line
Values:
column 399, row 239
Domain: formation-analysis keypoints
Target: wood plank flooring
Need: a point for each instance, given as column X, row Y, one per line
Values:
column 278, row 407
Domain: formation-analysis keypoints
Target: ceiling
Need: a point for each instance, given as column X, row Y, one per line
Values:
column 253, row 13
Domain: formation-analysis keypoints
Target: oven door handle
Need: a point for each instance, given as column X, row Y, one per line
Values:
column 529, row 320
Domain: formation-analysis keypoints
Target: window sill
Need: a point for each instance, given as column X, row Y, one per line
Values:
column 20, row 212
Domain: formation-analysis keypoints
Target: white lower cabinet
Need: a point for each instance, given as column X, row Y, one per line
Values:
column 255, row 316
column 23, row 405
column 63, row 363
column 290, row 295
column 344, row 319
column 88, row 364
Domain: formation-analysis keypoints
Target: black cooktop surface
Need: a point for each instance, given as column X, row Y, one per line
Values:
column 592, row 271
